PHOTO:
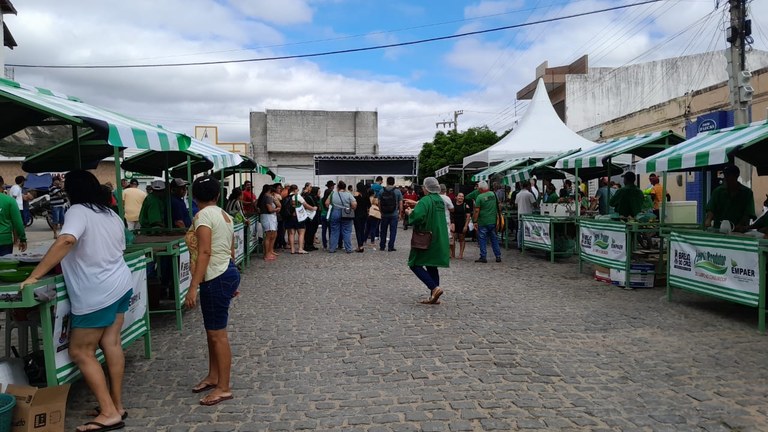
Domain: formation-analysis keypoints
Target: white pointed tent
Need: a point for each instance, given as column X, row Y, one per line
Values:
column 540, row 134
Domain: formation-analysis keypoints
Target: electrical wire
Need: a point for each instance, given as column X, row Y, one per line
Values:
column 337, row 52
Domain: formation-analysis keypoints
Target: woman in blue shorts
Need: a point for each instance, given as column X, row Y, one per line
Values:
column 99, row 285
column 216, row 277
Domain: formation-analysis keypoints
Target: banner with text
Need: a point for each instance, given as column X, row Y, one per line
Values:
column 603, row 243
column 536, row 232
column 722, row 266
column 239, row 243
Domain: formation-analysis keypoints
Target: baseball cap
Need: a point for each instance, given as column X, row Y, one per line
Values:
column 158, row 185
column 330, row 183
column 179, row 182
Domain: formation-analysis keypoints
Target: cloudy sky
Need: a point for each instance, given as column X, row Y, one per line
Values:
column 411, row 87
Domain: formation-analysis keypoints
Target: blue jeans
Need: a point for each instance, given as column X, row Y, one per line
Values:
column 340, row 227
column 372, row 228
column 326, row 227
column 216, row 296
column 57, row 214
column 428, row 275
column 391, row 223
column 488, row 231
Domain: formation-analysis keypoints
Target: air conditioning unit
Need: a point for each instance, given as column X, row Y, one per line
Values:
column 746, row 92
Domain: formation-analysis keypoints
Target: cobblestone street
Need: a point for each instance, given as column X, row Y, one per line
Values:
column 339, row 341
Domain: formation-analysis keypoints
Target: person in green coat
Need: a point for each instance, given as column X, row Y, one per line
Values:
column 429, row 215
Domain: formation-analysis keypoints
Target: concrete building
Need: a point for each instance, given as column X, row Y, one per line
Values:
column 288, row 140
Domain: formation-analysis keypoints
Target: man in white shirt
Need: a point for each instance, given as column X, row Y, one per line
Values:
column 17, row 193
column 133, row 198
column 525, row 203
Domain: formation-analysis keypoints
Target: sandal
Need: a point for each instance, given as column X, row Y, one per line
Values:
column 203, row 386
column 102, row 427
column 214, row 401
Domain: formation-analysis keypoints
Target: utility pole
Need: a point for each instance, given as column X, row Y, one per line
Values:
column 738, row 36
column 454, row 122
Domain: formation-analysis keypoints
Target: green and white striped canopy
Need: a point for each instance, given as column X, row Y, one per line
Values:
column 712, row 148
column 500, row 168
column 598, row 155
column 221, row 158
column 117, row 129
column 526, row 173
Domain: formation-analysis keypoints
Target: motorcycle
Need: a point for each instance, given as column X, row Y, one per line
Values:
column 40, row 207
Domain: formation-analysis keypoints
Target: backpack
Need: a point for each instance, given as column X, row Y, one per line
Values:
column 287, row 210
column 387, row 202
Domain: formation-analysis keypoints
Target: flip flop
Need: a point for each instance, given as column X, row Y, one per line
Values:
column 206, row 387
column 98, row 412
column 435, row 295
column 102, row 427
column 215, row 401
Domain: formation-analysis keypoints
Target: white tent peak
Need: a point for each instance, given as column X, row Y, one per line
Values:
column 540, row 133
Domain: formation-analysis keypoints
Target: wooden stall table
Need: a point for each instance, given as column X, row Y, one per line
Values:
column 49, row 297
column 174, row 248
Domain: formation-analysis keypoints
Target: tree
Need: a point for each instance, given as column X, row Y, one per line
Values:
column 450, row 148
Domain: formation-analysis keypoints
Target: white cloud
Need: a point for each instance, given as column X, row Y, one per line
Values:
column 278, row 12
column 495, row 7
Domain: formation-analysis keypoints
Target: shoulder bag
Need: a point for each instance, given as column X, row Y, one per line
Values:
column 347, row 212
column 420, row 239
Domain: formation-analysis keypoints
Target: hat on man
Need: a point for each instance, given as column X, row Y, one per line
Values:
column 330, row 184
column 431, row 185
column 179, row 182
column 158, row 185
column 134, row 182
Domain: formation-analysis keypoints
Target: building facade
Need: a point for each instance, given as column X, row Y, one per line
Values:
column 287, row 140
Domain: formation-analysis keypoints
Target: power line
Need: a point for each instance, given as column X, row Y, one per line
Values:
column 336, row 52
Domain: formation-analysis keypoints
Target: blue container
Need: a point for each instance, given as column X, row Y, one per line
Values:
column 7, row 402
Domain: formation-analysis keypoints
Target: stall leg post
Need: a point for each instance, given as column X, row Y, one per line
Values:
column 551, row 241
column 761, row 298
column 119, row 184
column 46, row 321
column 669, row 272
column 628, row 259
column 176, row 291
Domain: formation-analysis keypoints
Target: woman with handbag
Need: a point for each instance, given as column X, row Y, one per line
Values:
column 215, row 279
column 296, row 223
column 374, row 217
column 429, row 241
column 341, row 217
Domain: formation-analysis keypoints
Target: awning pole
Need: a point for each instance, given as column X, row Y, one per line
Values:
column 168, row 212
column 76, row 142
column 189, row 189
column 119, row 183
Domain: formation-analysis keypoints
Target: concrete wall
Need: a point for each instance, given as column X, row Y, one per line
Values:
column 604, row 94
column 287, row 140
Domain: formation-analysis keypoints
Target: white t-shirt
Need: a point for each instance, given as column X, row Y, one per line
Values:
column 448, row 208
column 94, row 269
column 297, row 198
column 525, row 201
column 18, row 195
column 222, row 237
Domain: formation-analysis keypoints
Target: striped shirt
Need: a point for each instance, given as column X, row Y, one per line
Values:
column 57, row 196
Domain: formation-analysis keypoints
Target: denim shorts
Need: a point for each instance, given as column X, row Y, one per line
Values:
column 216, row 296
column 104, row 317
column 57, row 214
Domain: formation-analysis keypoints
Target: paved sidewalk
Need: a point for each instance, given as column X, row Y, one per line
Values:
column 340, row 342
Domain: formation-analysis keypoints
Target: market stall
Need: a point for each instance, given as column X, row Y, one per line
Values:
column 721, row 264
column 170, row 250
column 502, row 169
column 607, row 241
column 552, row 230
column 49, row 301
